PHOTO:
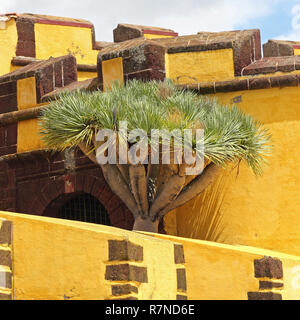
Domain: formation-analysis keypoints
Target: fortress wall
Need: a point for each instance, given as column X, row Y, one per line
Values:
column 6, row 256
column 261, row 211
column 58, row 259
column 226, row 272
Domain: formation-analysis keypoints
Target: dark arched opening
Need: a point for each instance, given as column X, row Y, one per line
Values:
column 80, row 207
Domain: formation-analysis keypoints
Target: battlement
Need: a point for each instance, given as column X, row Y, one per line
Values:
column 42, row 56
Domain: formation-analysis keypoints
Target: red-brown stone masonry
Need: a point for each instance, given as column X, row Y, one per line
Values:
column 7, row 188
column 29, row 185
column 26, row 38
column 8, row 139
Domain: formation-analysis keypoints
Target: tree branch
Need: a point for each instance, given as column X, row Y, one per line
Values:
column 118, row 185
column 196, row 187
column 138, row 183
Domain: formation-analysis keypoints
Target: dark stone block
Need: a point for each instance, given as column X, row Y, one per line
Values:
column 69, row 70
column 229, row 86
column 259, row 83
column 268, row 267
column 179, row 254
column 6, row 232
column 58, row 73
column 8, row 103
column 207, row 88
column 11, row 134
column 25, row 49
column 181, row 280
column 263, row 285
column 7, row 88
column 124, row 251
column 123, row 33
column 25, row 30
column 8, row 150
column 126, row 272
column 284, row 81
column 120, row 290
column 264, row 296
column 146, row 75
column 180, row 297
column 246, row 48
column 5, row 258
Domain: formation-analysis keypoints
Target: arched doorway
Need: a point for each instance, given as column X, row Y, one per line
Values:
column 80, row 207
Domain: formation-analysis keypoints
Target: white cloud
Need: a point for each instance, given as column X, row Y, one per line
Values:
column 294, row 35
column 185, row 17
column 7, row 6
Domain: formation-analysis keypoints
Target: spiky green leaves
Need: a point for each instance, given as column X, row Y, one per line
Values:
column 229, row 134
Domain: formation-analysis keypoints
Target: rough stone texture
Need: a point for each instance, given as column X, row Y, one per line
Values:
column 272, row 65
column 86, row 85
column 125, row 32
column 5, row 234
column 124, row 251
column 264, row 296
column 39, row 178
column 5, row 258
column 45, row 19
column 181, row 297
column 119, row 290
column 264, row 285
column 246, row 45
column 26, row 37
column 291, row 80
column 179, row 254
column 50, row 74
column 142, row 59
column 268, row 267
column 126, row 272
column 7, row 88
column 8, row 102
column 181, row 280
column 277, row 48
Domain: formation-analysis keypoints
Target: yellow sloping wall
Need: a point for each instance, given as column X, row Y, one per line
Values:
column 8, row 41
column 223, row 272
column 261, row 211
column 201, row 66
column 59, row 259
column 55, row 41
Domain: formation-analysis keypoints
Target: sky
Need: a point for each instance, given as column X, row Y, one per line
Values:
column 276, row 19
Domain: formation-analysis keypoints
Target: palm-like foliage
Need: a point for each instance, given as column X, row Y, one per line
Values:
column 150, row 191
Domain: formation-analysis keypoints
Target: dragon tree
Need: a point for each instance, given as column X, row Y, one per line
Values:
column 150, row 189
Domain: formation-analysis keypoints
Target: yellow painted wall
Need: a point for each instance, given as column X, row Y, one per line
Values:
column 8, row 41
column 156, row 36
column 29, row 138
column 264, row 211
column 74, row 255
column 224, row 272
column 112, row 71
column 203, row 66
column 55, row 41
column 296, row 52
column 86, row 75
column 26, row 93
column 266, row 105
column 55, row 258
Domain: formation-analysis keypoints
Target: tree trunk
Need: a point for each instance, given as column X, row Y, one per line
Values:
column 146, row 225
